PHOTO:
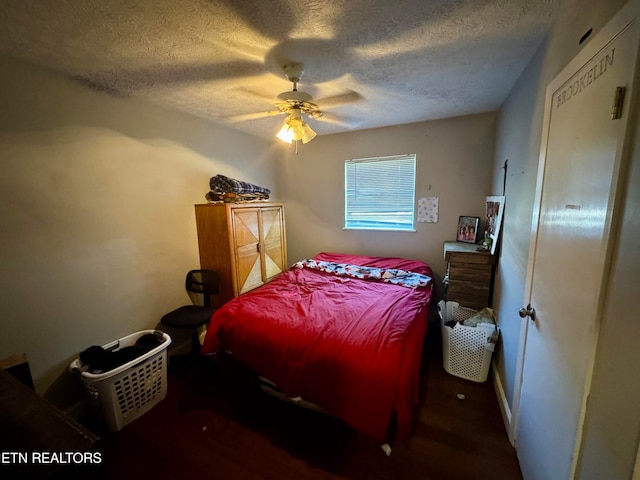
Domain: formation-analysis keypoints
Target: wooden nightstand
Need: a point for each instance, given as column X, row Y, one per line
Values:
column 469, row 277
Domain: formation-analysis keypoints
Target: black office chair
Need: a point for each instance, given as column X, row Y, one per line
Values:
column 199, row 283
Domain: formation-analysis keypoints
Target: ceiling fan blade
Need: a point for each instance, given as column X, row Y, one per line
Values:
column 131, row 81
column 244, row 117
column 256, row 95
column 349, row 97
column 337, row 120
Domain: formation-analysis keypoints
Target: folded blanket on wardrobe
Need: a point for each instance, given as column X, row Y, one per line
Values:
column 222, row 184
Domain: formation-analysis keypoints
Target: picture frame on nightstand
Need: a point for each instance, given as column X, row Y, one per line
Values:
column 495, row 211
column 467, row 229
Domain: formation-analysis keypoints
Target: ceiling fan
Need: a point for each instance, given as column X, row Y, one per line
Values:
column 295, row 104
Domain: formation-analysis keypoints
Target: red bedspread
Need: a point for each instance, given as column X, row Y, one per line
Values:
column 351, row 346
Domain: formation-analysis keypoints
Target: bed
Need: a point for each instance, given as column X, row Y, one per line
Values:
column 343, row 332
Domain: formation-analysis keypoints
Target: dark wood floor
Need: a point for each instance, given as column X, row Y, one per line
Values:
column 215, row 423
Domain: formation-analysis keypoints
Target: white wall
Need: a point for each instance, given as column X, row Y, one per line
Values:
column 612, row 427
column 518, row 141
column 96, row 213
column 453, row 162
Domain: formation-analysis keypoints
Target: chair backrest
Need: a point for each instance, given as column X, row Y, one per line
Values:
column 204, row 282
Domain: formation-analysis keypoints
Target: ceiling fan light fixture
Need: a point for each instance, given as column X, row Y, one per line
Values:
column 285, row 134
column 307, row 133
column 294, row 128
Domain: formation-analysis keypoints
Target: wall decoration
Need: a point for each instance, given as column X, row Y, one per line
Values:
column 428, row 210
column 495, row 211
column 468, row 229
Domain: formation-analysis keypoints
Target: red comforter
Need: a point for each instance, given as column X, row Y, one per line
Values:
column 351, row 346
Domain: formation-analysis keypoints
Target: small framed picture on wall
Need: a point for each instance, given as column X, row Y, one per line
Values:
column 467, row 229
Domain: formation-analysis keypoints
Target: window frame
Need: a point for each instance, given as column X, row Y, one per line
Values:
column 401, row 201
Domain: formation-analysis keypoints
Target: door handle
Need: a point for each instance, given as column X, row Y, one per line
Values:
column 527, row 311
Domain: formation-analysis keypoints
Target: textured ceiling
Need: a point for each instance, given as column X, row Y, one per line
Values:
column 367, row 63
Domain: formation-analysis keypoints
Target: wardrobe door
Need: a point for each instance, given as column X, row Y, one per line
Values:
column 246, row 245
column 274, row 258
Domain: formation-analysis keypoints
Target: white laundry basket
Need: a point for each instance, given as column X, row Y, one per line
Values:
column 466, row 351
column 125, row 393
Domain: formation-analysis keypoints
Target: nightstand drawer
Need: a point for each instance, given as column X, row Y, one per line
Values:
column 468, row 295
column 468, row 272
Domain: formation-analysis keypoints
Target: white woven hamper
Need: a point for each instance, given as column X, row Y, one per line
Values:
column 125, row 393
column 466, row 351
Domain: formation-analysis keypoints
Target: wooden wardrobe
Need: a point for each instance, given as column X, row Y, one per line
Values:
column 244, row 242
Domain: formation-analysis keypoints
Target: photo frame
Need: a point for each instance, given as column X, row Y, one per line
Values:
column 467, row 229
column 495, row 211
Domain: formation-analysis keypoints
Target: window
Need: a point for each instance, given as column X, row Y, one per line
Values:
column 379, row 193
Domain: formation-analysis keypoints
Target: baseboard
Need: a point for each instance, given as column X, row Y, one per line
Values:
column 502, row 402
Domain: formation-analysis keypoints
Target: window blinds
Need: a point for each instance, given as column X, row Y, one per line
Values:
column 380, row 193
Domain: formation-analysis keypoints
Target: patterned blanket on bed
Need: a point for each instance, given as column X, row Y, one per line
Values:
column 387, row 275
